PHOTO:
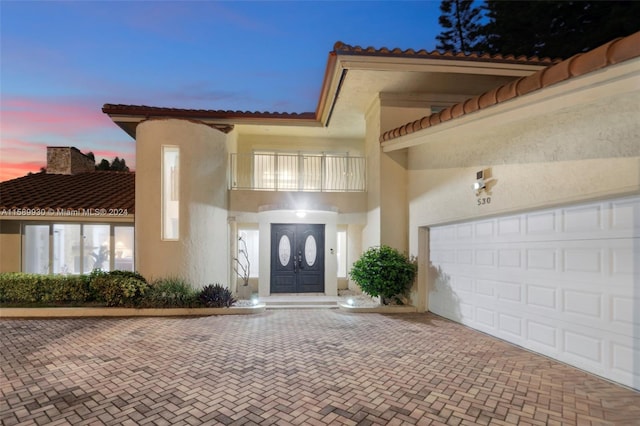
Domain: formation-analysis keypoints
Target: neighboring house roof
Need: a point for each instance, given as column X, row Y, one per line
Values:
column 83, row 191
column 614, row 52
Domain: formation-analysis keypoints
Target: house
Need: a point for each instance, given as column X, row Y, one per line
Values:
column 70, row 219
column 515, row 181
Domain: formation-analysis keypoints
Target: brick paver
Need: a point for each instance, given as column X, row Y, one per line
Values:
column 310, row 367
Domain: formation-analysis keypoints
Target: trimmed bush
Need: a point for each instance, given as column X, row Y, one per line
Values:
column 19, row 287
column 216, row 296
column 384, row 272
column 117, row 288
column 170, row 293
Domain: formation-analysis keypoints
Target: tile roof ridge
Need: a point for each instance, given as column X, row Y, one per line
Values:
column 343, row 48
column 611, row 53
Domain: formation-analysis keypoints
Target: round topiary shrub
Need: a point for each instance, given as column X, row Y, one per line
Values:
column 384, row 272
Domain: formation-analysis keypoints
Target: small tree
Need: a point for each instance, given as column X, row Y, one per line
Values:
column 384, row 272
column 242, row 265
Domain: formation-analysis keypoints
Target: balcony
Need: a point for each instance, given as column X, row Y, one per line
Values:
column 297, row 172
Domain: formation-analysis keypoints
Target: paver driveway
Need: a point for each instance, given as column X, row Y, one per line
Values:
column 289, row 367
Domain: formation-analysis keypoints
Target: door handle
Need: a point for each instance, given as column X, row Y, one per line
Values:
column 295, row 265
column 300, row 260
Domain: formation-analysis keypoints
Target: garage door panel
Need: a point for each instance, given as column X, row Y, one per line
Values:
column 539, row 333
column 483, row 231
column 511, row 325
column 510, row 226
column 623, row 314
column 582, row 303
column 510, row 258
column 582, row 219
column 584, row 349
column 624, row 215
column 545, row 297
column 623, row 359
column 509, row 292
column 564, row 282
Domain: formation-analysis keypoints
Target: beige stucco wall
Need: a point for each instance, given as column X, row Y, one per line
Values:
column 198, row 255
column 247, row 143
column 387, row 210
column 585, row 152
column 10, row 246
column 252, row 201
column 371, row 230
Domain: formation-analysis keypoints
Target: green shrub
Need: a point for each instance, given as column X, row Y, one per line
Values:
column 169, row 293
column 128, row 274
column 385, row 272
column 117, row 288
column 19, row 287
column 216, row 296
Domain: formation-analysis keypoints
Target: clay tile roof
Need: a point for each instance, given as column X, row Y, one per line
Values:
column 93, row 190
column 149, row 111
column 611, row 53
column 345, row 49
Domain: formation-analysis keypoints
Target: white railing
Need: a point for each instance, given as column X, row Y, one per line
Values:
column 297, row 172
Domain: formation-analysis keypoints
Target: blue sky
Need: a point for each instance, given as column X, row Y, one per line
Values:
column 61, row 61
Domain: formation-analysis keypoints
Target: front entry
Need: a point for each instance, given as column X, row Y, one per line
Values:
column 297, row 258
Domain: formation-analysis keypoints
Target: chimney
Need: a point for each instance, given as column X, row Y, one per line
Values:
column 65, row 160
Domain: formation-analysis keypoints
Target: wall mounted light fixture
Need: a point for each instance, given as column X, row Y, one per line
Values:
column 479, row 183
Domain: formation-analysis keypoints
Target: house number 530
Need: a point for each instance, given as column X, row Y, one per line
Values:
column 484, row 200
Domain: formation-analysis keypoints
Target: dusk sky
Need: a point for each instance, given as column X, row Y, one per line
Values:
column 61, row 61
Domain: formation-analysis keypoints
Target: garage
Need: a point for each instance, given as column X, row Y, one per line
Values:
column 564, row 282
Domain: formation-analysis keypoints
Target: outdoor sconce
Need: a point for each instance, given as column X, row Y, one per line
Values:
column 479, row 183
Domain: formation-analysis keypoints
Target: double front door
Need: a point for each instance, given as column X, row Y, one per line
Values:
column 297, row 258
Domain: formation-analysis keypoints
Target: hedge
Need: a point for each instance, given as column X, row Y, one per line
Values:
column 19, row 287
column 115, row 288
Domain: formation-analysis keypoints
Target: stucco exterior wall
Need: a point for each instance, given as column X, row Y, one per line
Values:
column 10, row 246
column 387, row 210
column 197, row 256
column 251, row 201
column 371, row 230
column 586, row 152
column 248, row 143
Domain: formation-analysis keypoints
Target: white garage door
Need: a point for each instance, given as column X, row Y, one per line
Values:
column 564, row 282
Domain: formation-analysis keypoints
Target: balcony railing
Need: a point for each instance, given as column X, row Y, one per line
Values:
column 297, row 172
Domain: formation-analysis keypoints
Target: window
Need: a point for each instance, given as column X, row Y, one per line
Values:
column 341, row 254
column 67, row 250
column 251, row 238
column 74, row 248
column 123, row 250
column 170, row 192
column 96, row 247
column 36, row 249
